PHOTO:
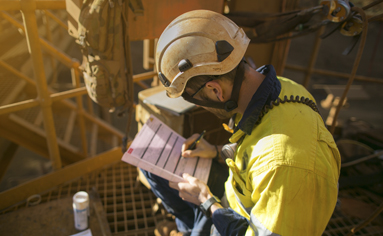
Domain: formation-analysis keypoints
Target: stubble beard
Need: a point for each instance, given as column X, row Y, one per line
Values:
column 220, row 113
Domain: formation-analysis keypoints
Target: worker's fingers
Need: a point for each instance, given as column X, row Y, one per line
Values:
column 174, row 185
column 188, row 142
column 203, row 148
column 189, row 177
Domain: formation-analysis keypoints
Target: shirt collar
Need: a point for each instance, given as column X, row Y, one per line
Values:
column 267, row 92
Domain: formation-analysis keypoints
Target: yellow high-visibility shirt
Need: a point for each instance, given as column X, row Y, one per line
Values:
column 285, row 174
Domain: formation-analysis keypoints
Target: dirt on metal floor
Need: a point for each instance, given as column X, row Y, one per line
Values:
column 127, row 205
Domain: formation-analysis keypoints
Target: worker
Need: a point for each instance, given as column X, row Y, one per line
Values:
column 283, row 176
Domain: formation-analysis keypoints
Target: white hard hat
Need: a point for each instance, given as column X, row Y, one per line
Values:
column 199, row 42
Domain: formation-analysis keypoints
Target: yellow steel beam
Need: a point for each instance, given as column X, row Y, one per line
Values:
column 29, row 140
column 144, row 76
column 56, row 19
column 65, row 174
column 35, row 102
column 47, row 46
column 48, row 35
column 12, row 5
column 80, row 111
column 28, row 8
column 68, row 94
column 19, row 106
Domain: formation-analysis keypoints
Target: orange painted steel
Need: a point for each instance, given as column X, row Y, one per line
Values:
column 11, row 5
column 28, row 8
column 80, row 110
column 57, row 20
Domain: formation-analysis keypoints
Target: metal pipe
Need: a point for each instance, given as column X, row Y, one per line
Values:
column 58, row 54
column 11, row 20
column 68, row 94
column 372, row 4
column 285, row 54
column 363, row 159
column 144, row 76
column 335, row 74
column 28, row 8
column 48, row 47
column 16, row 72
column 48, row 34
column 313, row 58
column 366, row 221
column 56, row 19
column 19, row 106
column 57, row 97
column 355, row 66
column 104, row 125
column 50, row 4
column 80, row 111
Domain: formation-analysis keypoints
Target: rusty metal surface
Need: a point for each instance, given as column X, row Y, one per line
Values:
column 48, row 181
column 55, row 217
column 354, row 206
column 127, row 204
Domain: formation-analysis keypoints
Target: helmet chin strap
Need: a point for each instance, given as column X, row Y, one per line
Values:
column 232, row 103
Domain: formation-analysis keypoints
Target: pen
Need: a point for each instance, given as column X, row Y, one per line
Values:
column 197, row 140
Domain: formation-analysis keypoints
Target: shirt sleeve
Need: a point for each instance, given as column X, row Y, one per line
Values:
column 292, row 201
column 229, row 222
column 287, row 201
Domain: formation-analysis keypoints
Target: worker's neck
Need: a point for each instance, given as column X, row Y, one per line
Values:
column 250, row 85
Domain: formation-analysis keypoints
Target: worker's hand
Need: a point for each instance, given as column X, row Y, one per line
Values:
column 192, row 189
column 203, row 149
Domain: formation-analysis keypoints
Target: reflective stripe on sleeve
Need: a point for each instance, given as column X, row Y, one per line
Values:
column 258, row 228
column 248, row 209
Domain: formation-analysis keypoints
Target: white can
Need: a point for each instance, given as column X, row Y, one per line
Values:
column 81, row 210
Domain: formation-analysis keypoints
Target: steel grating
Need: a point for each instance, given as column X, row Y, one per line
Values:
column 342, row 221
column 127, row 203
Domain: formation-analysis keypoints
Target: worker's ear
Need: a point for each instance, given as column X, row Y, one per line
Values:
column 214, row 90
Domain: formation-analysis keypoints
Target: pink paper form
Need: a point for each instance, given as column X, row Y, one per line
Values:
column 157, row 149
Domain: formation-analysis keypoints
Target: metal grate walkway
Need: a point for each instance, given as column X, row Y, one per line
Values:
column 128, row 204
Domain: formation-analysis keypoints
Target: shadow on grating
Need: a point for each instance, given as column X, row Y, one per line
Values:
column 355, row 205
column 127, row 203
